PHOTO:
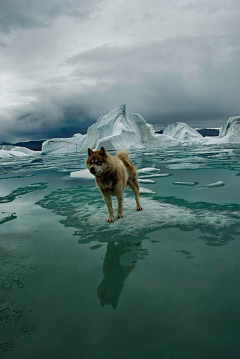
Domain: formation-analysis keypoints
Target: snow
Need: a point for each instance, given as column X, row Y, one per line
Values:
column 16, row 151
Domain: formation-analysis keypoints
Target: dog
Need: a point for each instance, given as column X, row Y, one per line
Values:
column 113, row 174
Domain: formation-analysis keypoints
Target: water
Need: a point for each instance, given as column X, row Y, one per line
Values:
column 159, row 283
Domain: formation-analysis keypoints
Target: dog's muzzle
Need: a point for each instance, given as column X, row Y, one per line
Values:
column 92, row 170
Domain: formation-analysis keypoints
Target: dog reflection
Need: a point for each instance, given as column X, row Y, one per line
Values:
column 114, row 274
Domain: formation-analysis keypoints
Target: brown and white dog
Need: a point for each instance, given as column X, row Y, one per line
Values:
column 113, row 174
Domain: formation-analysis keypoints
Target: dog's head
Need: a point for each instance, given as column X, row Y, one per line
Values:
column 97, row 161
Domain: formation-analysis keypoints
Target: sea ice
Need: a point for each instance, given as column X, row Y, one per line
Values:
column 146, row 181
column 148, row 169
column 156, row 175
column 146, row 191
column 185, row 183
column 215, row 184
column 82, row 174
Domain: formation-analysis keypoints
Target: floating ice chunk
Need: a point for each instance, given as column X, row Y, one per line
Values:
column 82, row 174
column 90, row 217
column 146, row 181
column 148, row 169
column 215, row 184
column 156, row 175
column 146, row 191
column 185, row 183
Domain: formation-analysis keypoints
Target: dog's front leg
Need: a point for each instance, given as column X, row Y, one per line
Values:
column 108, row 200
column 120, row 205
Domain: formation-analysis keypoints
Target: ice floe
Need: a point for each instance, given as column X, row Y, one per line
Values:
column 215, row 184
column 146, row 181
column 148, row 169
column 185, row 183
column 89, row 218
column 156, row 175
column 82, row 174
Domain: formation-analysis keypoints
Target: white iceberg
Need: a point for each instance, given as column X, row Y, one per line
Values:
column 120, row 129
column 182, row 132
column 64, row 145
column 16, row 151
column 117, row 130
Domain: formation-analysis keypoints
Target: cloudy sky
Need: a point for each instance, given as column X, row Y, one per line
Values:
column 63, row 63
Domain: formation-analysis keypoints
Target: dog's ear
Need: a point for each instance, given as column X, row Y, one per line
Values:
column 90, row 152
column 103, row 152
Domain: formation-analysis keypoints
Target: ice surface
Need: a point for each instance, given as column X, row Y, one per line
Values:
column 16, row 151
column 85, row 211
column 23, row 190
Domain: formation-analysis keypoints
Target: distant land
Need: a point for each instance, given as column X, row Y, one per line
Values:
column 204, row 132
column 37, row 145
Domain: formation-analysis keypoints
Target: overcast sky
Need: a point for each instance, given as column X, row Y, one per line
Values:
column 64, row 63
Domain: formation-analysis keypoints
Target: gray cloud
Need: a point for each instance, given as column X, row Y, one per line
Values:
column 174, row 61
column 27, row 14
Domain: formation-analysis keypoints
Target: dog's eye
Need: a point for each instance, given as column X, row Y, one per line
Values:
column 99, row 163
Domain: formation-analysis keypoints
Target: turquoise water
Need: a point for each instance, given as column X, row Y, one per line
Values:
column 159, row 283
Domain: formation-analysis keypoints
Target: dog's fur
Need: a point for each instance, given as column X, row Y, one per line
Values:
column 113, row 174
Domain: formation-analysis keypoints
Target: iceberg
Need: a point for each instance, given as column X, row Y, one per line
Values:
column 7, row 151
column 182, row 132
column 120, row 129
column 63, row 145
column 117, row 130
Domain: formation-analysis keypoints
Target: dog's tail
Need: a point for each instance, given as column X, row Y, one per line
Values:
column 123, row 155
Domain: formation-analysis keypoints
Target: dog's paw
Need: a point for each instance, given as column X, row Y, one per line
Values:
column 119, row 215
column 139, row 208
column 110, row 219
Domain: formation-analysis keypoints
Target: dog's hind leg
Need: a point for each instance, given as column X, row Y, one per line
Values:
column 134, row 185
column 120, row 205
column 108, row 201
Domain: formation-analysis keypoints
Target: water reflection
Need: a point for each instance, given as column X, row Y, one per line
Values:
column 114, row 273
